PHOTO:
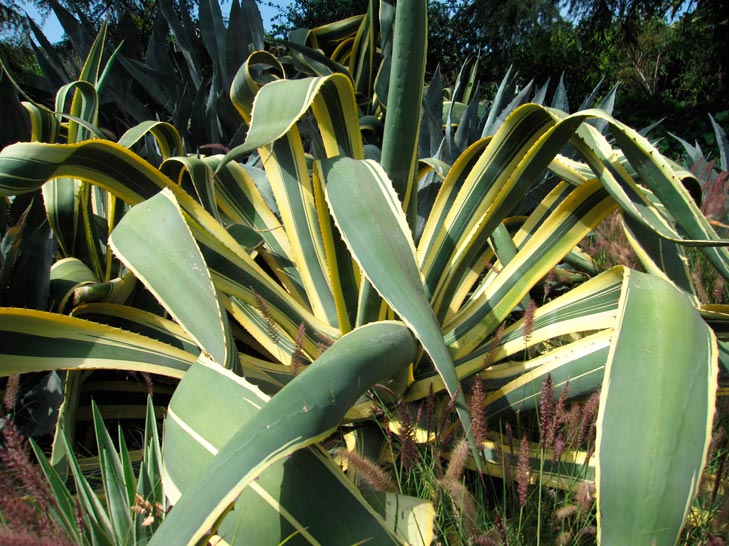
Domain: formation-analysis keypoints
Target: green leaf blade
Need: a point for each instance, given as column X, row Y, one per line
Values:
column 656, row 413
column 359, row 194
column 302, row 413
column 156, row 244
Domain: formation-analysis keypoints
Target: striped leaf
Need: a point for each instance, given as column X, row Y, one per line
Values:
column 292, row 497
column 360, row 193
column 138, row 321
column 258, row 69
column 239, row 199
column 657, row 402
column 32, row 341
column 280, row 104
column 590, row 307
column 491, row 302
column 166, row 136
column 154, row 241
column 304, row 412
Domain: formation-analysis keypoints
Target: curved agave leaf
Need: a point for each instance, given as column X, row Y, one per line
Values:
column 327, row 275
column 581, row 364
column 304, row 412
column 292, row 497
column 258, row 69
column 32, row 341
column 362, row 54
column 141, row 322
column 25, row 167
column 240, row 200
column 129, row 177
column 84, row 106
column 44, row 125
column 590, row 307
column 668, row 378
column 195, row 176
column 489, row 186
column 306, row 55
column 662, row 181
column 491, row 302
column 659, row 257
column 166, row 136
column 295, row 192
column 455, row 232
column 280, row 104
column 67, row 275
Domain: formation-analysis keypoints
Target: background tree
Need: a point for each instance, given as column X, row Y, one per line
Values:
column 313, row 13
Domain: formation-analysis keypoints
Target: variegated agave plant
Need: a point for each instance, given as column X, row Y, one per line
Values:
column 261, row 269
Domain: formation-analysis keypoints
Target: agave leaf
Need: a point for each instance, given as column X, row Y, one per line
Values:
column 183, row 31
column 487, row 183
column 672, row 372
column 138, row 321
column 663, row 184
column 91, row 69
column 48, row 58
column 592, row 306
column 29, row 338
column 258, row 69
column 68, row 274
column 302, row 413
column 494, row 299
column 358, row 192
column 45, row 126
column 363, row 54
column 722, row 143
column 156, row 81
column 26, row 253
column 154, row 241
column 76, row 26
column 166, row 136
column 402, row 124
column 559, row 101
column 308, row 56
column 581, row 364
column 540, row 94
column 17, row 126
column 292, row 496
column 149, row 482
column 431, row 127
column 410, row 517
column 240, row 200
column 569, row 472
column 295, row 192
column 504, row 95
column 25, row 167
column 281, row 103
column 96, row 519
column 213, row 33
column 64, row 508
column 194, row 176
column 245, row 34
column 660, row 257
